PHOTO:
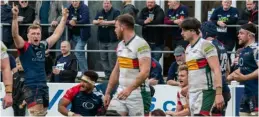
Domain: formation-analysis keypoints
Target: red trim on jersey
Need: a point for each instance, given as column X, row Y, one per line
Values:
column 218, row 114
column 70, row 94
column 31, row 104
column 205, row 113
column 178, row 99
column 202, row 63
column 135, row 63
column 256, row 109
column 24, row 49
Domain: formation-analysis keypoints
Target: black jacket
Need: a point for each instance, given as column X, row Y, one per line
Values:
column 247, row 16
column 131, row 9
column 152, row 34
column 29, row 15
column 68, row 75
column 6, row 17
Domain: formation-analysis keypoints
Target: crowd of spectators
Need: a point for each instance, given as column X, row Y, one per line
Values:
column 49, row 12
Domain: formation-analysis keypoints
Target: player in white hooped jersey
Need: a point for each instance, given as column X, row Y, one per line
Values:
column 131, row 71
column 204, row 76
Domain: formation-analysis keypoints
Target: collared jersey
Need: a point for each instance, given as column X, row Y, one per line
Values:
column 3, row 51
column 85, row 104
column 33, row 61
column 248, row 60
column 128, row 58
column 200, row 76
column 223, row 60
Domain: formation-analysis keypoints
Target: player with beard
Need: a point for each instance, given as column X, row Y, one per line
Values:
column 83, row 97
column 131, row 71
column 247, row 73
column 204, row 75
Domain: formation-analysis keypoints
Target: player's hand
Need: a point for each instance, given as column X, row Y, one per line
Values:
column 123, row 95
column 65, row 12
column 8, row 100
column 72, row 22
column 239, row 76
column 219, row 102
column 15, row 11
column 107, row 99
column 171, row 113
column 54, row 23
column 56, row 71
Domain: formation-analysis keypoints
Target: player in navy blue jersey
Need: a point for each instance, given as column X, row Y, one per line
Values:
column 209, row 32
column 32, row 57
column 247, row 73
column 85, row 99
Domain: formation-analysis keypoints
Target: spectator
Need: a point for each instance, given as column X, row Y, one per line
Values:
column 106, row 35
column 26, row 16
column 158, row 112
column 129, row 8
column 175, row 15
column 79, row 14
column 155, row 76
column 223, row 16
column 18, row 97
column 179, row 55
column 7, row 77
column 49, row 12
column 6, row 17
column 65, row 69
column 152, row 14
column 249, row 14
column 85, row 101
column 182, row 108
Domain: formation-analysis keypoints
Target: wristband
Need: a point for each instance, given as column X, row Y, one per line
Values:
column 8, row 88
column 70, row 114
column 218, row 90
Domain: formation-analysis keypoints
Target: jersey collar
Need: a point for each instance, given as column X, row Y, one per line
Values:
column 195, row 43
column 127, row 43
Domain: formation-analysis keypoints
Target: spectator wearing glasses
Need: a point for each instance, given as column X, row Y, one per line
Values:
column 26, row 16
column 79, row 14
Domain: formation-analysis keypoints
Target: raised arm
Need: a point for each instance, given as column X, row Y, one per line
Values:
column 18, row 40
column 59, row 30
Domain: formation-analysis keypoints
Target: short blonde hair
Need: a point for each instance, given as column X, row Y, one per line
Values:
column 183, row 67
column 33, row 26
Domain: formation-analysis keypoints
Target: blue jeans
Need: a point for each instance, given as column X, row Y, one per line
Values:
column 155, row 47
column 108, row 59
column 80, row 45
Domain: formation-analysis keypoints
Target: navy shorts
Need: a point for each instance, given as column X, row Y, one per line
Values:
column 249, row 104
column 38, row 94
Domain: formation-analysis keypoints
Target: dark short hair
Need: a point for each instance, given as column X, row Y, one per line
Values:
column 127, row 20
column 249, row 27
column 92, row 75
column 33, row 26
column 158, row 112
column 191, row 23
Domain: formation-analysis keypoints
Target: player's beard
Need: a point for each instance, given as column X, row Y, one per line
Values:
column 120, row 35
